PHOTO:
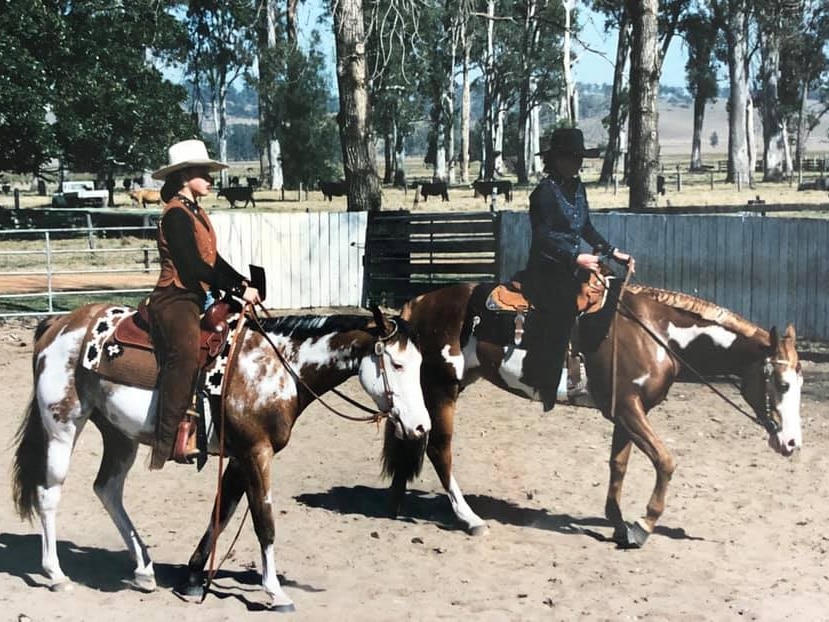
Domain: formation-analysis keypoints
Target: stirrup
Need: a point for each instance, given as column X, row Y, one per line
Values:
column 185, row 449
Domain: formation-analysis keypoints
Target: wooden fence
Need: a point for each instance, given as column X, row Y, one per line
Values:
column 772, row 271
column 409, row 254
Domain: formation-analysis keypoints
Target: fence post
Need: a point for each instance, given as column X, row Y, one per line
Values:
column 299, row 193
column 493, row 200
column 17, row 198
column 711, row 178
column 89, row 235
column 678, row 178
column 49, row 273
column 146, row 260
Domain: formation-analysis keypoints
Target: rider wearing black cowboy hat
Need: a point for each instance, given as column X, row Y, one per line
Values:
column 560, row 219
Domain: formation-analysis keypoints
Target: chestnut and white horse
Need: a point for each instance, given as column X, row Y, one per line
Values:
column 659, row 335
column 265, row 392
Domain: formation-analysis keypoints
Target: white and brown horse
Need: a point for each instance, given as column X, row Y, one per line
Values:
column 659, row 335
column 265, row 392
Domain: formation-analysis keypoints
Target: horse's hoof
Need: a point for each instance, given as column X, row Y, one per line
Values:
column 478, row 530
column 143, row 583
column 287, row 608
column 630, row 536
column 190, row 591
column 64, row 585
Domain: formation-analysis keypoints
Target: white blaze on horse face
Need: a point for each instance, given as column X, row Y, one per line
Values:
column 790, row 436
column 685, row 336
column 408, row 410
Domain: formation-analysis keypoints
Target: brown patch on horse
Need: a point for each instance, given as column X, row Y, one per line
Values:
column 704, row 309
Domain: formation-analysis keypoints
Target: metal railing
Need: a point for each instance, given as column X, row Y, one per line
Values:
column 53, row 268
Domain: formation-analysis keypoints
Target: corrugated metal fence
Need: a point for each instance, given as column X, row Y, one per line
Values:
column 770, row 270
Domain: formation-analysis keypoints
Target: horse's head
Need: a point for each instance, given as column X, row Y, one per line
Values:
column 772, row 387
column 390, row 374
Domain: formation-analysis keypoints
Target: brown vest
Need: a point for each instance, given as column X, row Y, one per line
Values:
column 205, row 244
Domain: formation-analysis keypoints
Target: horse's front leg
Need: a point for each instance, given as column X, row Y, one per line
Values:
column 619, row 456
column 257, row 465
column 439, row 451
column 119, row 456
column 232, row 489
column 632, row 416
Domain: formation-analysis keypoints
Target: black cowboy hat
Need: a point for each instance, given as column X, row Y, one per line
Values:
column 568, row 140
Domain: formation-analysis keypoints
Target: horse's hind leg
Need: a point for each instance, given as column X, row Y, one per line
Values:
column 119, row 456
column 632, row 416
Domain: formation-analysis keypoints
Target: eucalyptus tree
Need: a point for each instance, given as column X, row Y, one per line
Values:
column 733, row 14
column 701, row 34
column 269, row 32
column 221, row 49
column 92, row 94
column 644, row 88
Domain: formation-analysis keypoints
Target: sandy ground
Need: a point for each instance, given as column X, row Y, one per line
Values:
column 742, row 537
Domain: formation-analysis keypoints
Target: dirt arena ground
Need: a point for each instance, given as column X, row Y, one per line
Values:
column 742, row 538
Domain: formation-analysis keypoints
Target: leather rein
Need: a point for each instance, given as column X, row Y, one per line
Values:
column 766, row 421
column 379, row 351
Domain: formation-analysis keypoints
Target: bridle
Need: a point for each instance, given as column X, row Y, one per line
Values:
column 379, row 350
column 767, row 420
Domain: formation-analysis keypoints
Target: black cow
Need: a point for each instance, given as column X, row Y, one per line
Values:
column 237, row 193
column 434, row 189
column 253, row 182
column 485, row 188
column 332, row 188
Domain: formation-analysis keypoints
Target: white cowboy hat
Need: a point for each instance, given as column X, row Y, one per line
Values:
column 186, row 154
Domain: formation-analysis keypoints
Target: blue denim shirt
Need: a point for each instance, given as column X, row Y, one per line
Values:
column 559, row 223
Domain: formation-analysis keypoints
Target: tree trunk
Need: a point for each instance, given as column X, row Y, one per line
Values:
column 738, row 165
column 616, row 116
column 490, row 107
column 774, row 137
column 353, row 118
column 271, row 159
column 696, row 139
column 465, row 104
column 644, row 117
column 567, row 100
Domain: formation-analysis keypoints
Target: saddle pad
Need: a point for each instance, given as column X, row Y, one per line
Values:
column 136, row 366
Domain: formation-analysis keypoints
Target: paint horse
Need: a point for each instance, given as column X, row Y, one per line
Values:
column 264, row 393
column 658, row 335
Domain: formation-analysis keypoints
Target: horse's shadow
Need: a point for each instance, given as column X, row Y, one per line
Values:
column 423, row 506
column 109, row 571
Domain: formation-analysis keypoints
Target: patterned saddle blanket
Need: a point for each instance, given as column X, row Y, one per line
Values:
column 118, row 346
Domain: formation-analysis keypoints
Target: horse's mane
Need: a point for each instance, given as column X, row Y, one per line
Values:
column 310, row 326
column 701, row 308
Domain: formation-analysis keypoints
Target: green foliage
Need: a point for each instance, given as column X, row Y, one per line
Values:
column 296, row 101
column 89, row 95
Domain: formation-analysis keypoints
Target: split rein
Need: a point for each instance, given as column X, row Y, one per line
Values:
column 766, row 422
column 379, row 346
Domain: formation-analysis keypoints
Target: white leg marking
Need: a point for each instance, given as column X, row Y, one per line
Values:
column 461, row 508
column 271, row 582
column 684, row 336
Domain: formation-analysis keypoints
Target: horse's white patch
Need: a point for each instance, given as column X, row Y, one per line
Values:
column 510, row 370
column 661, row 353
column 685, row 336
column 454, row 361
column 642, row 379
column 134, row 409
column 267, row 372
column 56, row 378
column 470, row 355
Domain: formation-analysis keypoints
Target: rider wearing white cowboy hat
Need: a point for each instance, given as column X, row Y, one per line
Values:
column 191, row 269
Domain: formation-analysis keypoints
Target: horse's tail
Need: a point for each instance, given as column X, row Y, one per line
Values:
column 402, row 458
column 29, row 469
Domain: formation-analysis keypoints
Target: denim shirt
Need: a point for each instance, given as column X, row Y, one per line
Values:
column 558, row 226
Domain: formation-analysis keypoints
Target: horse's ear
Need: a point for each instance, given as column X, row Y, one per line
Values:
column 380, row 320
column 773, row 338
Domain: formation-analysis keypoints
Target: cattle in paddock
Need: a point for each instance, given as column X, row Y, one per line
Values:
column 485, row 188
column 237, row 193
column 434, row 189
column 332, row 188
column 145, row 196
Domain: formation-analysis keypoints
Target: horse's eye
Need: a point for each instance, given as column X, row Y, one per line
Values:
column 397, row 366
